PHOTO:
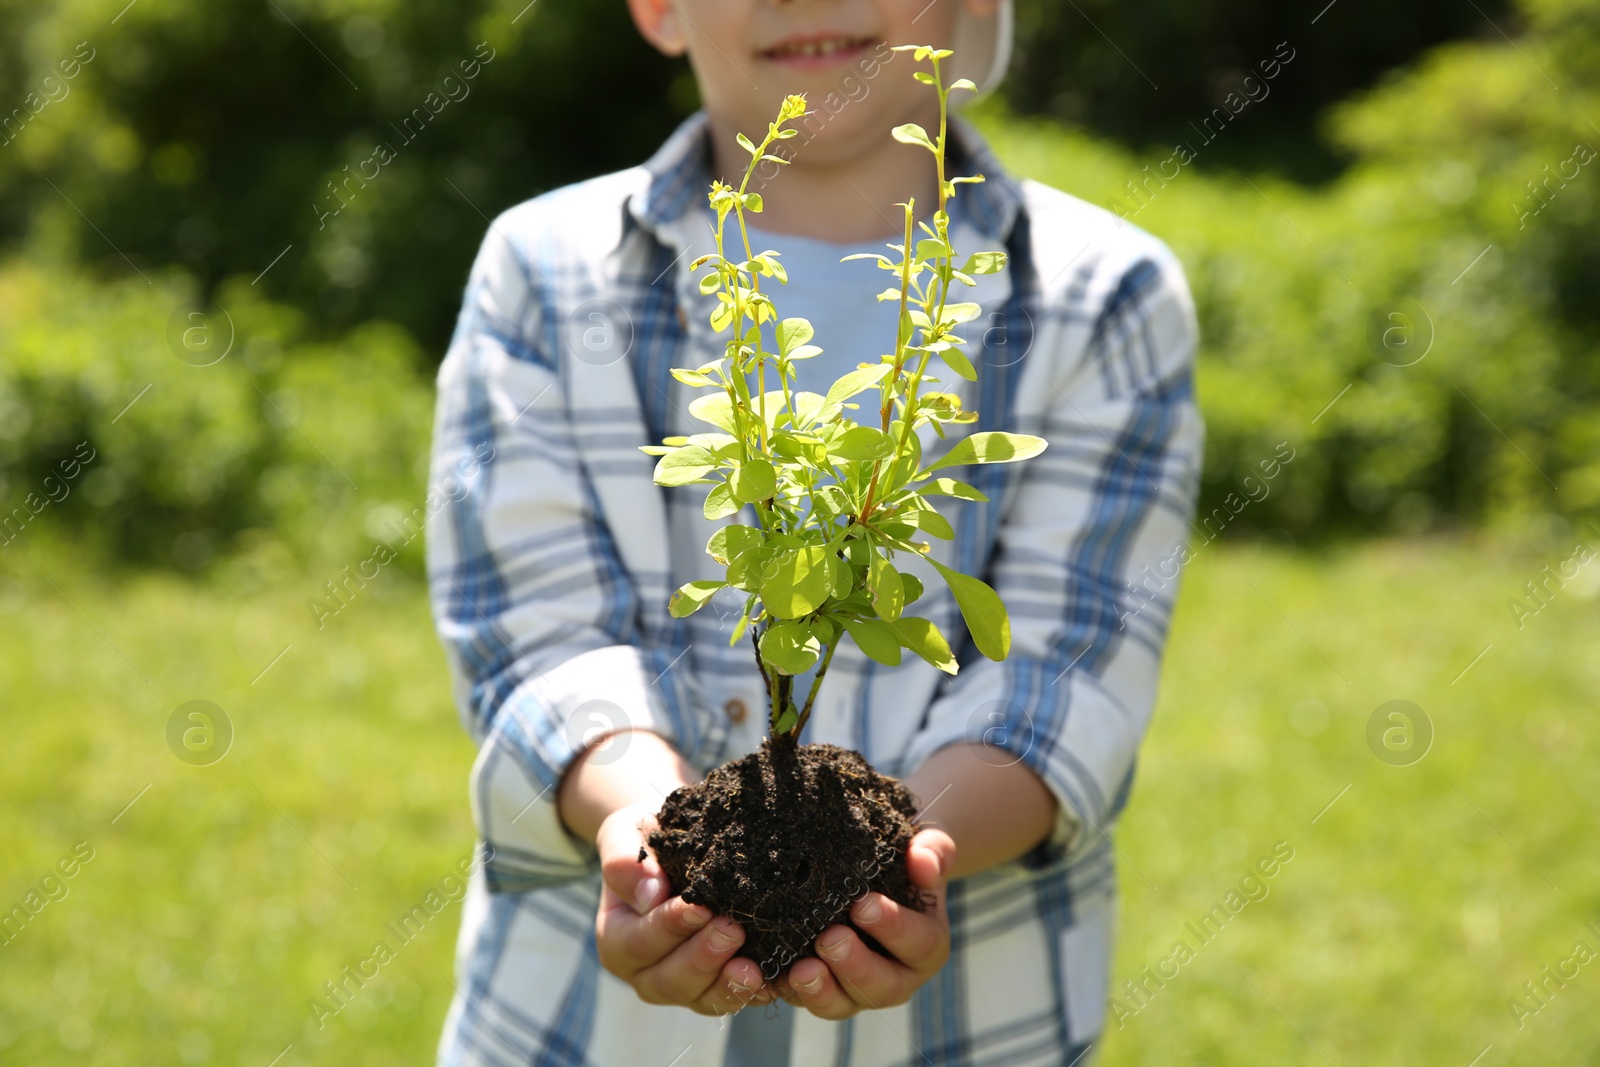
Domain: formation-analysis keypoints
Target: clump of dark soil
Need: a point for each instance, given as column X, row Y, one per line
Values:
column 784, row 840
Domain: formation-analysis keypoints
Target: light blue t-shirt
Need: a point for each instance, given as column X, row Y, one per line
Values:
column 840, row 300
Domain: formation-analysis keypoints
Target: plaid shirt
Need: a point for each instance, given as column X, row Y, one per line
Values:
column 551, row 556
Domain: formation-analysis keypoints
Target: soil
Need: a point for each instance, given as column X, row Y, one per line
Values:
column 784, row 840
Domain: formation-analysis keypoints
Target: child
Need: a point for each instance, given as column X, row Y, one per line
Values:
column 551, row 572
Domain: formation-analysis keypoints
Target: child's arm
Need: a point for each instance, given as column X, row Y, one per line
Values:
column 533, row 605
column 993, row 812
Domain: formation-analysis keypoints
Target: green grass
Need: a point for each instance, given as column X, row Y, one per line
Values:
column 216, row 906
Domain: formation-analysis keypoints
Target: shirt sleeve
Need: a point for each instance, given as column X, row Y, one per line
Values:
column 1087, row 560
column 532, row 603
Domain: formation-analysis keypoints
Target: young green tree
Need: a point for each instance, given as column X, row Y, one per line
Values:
column 836, row 499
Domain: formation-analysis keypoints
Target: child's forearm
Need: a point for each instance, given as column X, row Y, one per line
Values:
column 993, row 813
column 647, row 769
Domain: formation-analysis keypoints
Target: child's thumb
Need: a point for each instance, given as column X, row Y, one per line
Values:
column 930, row 858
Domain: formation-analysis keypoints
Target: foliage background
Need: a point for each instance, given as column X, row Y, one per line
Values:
column 1406, row 153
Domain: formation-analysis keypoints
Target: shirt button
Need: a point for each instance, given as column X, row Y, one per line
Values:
column 736, row 710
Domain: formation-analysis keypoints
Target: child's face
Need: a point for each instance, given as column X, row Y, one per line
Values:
column 748, row 54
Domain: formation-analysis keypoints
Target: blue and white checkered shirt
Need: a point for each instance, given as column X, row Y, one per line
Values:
column 551, row 555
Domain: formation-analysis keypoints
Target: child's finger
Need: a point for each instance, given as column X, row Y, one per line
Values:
column 930, row 857
column 628, row 942
column 868, row 979
column 685, row 974
column 918, row 939
column 641, row 883
column 739, row 986
column 818, row 991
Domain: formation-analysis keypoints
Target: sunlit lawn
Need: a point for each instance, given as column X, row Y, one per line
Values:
column 217, row 905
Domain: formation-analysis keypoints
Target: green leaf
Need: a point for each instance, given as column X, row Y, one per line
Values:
column 753, row 202
column 984, row 263
column 883, row 261
column 745, row 143
column 861, row 443
column 932, row 248
column 725, row 446
column 830, row 502
column 983, row 610
column 691, row 377
column 731, row 542
column 692, row 597
column 806, row 406
column 790, row 647
column 798, row 446
column 924, row 638
column 911, row 133
column 959, row 313
column 745, row 549
column 888, row 591
column 991, row 447
column 787, row 720
column 913, row 586
column 792, row 332
column 951, row 487
column 857, row 381
column 876, row 640
column 719, row 502
column 752, row 481
column 709, row 283
column 957, row 361
column 843, row 577
column 963, row 83
column 716, row 409
column 796, row 582
column 684, row 465
column 929, row 522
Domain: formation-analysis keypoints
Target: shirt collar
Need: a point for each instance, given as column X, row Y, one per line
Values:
column 679, row 176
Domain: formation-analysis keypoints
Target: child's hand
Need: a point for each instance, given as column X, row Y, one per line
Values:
column 670, row 951
column 848, row 976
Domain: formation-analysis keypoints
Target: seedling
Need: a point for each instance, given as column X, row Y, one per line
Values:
column 836, row 499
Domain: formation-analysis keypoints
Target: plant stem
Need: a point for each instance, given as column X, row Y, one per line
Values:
column 768, row 679
column 942, row 221
column 816, row 684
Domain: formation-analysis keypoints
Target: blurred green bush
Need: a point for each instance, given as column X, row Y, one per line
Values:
column 1447, row 280
column 205, row 426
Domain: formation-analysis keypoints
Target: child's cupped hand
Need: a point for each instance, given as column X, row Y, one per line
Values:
column 669, row 951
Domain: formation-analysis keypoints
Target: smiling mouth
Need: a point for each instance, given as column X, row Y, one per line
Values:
column 819, row 49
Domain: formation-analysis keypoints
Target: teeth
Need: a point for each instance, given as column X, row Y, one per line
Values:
column 813, row 48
